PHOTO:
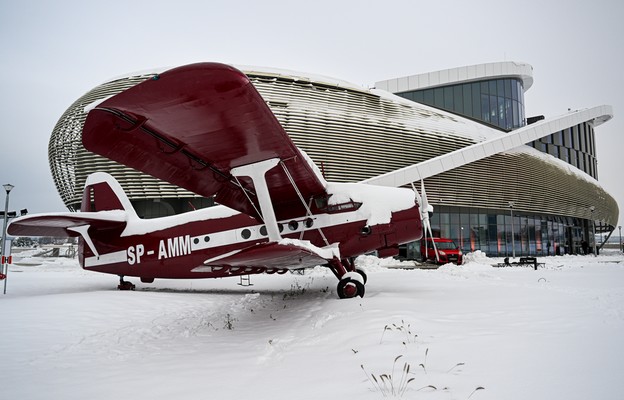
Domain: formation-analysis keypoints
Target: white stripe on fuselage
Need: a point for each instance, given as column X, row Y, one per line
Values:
column 179, row 245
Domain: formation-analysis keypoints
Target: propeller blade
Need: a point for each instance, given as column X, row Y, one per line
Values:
column 425, row 209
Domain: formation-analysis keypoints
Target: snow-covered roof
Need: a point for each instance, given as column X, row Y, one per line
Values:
column 471, row 73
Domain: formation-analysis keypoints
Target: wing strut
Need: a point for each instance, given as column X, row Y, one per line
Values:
column 307, row 207
column 83, row 230
column 257, row 171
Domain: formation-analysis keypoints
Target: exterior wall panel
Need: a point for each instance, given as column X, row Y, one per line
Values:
column 354, row 135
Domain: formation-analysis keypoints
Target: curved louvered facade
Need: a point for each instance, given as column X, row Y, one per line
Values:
column 354, row 133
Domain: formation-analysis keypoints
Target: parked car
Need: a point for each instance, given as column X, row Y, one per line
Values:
column 448, row 251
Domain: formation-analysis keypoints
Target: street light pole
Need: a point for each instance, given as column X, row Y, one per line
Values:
column 513, row 240
column 620, row 228
column 5, row 270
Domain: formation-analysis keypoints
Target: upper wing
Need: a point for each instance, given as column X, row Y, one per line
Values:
column 191, row 125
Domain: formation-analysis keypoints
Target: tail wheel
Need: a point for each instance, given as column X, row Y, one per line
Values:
column 348, row 288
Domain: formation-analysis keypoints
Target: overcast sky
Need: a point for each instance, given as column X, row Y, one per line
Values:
column 52, row 52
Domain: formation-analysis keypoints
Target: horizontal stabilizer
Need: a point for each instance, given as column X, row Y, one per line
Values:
column 65, row 224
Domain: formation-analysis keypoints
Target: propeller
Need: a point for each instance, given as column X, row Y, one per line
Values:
column 425, row 209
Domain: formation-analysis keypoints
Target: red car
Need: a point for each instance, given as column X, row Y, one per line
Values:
column 448, row 252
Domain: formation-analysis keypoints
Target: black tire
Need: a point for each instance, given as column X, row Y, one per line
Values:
column 346, row 286
column 363, row 274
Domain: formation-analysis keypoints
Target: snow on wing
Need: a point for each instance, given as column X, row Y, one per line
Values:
column 191, row 125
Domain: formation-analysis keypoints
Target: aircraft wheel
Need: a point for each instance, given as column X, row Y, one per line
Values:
column 361, row 272
column 348, row 288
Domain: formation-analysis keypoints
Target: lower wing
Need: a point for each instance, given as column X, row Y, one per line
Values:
column 285, row 254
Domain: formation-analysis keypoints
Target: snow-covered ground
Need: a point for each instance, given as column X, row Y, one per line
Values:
column 471, row 331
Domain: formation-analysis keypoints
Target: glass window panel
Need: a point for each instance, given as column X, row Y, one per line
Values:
column 419, row 96
column 445, row 231
column 573, row 158
column 485, row 107
column 454, row 218
column 501, row 112
column 438, row 97
column 491, row 218
column 493, row 110
column 429, row 97
column 435, row 218
column 448, row 98
column 476, row 100
column 576, row 142
column 516, row 119
column 444, row 218
column 564, row 153
column 567, row 136
column 592, row 142
column 458, row 99
column 514, row 89
column 508, row 116
column 492, row 88
column 467, row 100
column 558, row 138
column 483, row 218
column 500, row 84
column 508, row 88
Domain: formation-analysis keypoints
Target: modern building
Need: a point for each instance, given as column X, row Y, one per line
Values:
column 499, row 182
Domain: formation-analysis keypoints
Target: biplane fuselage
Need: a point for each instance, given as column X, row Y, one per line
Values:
column 204, row 243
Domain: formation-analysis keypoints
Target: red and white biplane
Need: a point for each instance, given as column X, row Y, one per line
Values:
column 205, row 128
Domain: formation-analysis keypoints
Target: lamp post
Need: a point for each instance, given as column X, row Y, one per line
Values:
column 513, row 241
column 620, row 229
column 7, row 188
column 592, row 209
column 461, row 238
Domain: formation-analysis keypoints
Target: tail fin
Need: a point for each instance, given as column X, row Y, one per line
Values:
column 103, row 193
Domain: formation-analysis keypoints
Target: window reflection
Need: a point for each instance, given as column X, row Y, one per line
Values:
column 497, row 102
column 500, row 102
column 490, row 231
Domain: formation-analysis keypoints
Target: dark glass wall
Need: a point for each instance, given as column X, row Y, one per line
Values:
column 498, row 102
column 575, row 145
column 491, row 231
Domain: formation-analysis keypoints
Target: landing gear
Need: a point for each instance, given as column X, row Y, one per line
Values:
column 125, row 285
column 348, row 288
column 351, row 280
